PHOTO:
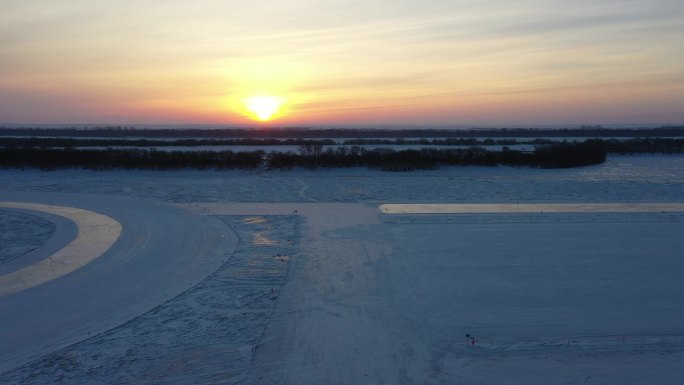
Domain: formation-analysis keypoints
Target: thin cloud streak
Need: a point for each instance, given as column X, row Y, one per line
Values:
column 349, row 55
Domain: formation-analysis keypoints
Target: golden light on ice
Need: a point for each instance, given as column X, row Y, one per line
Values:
column 263, row 108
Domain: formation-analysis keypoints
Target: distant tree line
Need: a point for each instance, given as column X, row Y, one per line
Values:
column 645, row 145
column 613, row 146
column 309, row 156
column 443, row 142
column 560, row 155
column 109, row 142
column 307, row 133
column 50, row 159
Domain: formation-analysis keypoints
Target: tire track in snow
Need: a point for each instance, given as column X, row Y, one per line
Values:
column 302, row 191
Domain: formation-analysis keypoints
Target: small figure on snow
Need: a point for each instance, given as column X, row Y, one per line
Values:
column 470, row 339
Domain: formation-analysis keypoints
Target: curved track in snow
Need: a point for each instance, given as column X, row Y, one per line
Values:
column 96, row 234
column 162, row 251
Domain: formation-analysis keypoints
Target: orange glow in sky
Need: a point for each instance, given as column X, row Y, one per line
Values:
column 420, row 62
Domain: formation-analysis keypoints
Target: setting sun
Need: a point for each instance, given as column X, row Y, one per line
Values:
column 263, row 107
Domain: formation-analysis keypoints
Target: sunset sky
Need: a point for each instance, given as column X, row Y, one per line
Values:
column 458, row 62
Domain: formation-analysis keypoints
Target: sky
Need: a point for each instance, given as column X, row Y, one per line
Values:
column 334, row 62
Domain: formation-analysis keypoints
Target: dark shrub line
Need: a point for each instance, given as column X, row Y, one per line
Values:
column 645, row 146
column 296, row 132
column 560, row 155
column 310, row 156
column 613, row 146
column 50, row 159
column 109, row 142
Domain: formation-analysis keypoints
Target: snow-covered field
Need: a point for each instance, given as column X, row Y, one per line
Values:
column 20, row 233
column 298, row 277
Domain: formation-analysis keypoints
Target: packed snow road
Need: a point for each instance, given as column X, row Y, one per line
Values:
column 161, row 252
column 499, row 208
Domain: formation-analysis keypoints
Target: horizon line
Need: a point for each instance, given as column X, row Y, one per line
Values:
column 338, row 126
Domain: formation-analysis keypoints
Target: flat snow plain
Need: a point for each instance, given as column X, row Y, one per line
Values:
column 319, row 286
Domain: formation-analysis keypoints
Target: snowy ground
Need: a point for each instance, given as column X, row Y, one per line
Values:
column 21, row 233
column 205, row 335
column 365, row 297
column 160, row 252
column 637, row 178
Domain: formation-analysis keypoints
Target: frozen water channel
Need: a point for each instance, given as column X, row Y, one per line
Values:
column 321, row 285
